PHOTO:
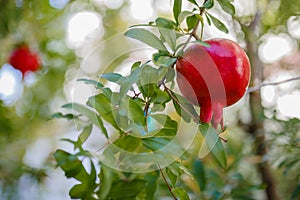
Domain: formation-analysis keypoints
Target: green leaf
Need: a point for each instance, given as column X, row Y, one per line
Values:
column 296, row 192
column 112, row 77
column 199, row 174
column 97, row 84
column 104, row 107
column 85, row 133
column 71, row 165
column 163, row 60
column 160, row 97
column 146, row 37
column 157, row 107
column 183, row 15
column 167, row 133
column 194, row 2
column 191, row 22
column 148, row 80
column 60, row 115
column 207, row 18
column 187, row 111
column 166, row 29
column 202, row 43
column 91, row 115
column 208, row 4
column 106, row 178
column 151, row 179
column 164, row 146
column 127, row 82
column 128, row 142
column 136, row 113
column 86, row 188
column 80, row 191
column 135, row 65
column 218, row 24
column 172, row 176
column 177, row 9
column 170, row 76
column 181, row 193
column 165, row 120
column 126, row 190
column 214, row 143
column 227, row 6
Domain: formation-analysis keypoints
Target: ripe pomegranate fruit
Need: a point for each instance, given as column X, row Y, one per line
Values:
column 23, row 59
column 213, row 77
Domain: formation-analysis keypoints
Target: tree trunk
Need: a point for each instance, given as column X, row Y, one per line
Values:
column 256, row 127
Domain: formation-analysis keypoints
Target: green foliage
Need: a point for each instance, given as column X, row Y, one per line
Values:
column 146, row 134
column 133, row 116
column 143, row 120
column 227, row 6
column 218, row 24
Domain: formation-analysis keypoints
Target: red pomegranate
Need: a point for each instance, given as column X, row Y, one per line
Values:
column 213, row 77
column 23, row 59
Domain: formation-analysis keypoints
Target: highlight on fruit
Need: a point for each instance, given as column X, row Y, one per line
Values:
column 213, row 77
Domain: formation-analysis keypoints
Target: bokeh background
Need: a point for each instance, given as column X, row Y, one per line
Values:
column 65, row 33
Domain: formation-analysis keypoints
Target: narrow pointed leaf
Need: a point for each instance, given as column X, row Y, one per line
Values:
column 112, row 77
column 177, row 9
column 146, row 37
column 97, row 84
column 91, row 115
column 181, row 193
column 227, row 7
column 218, row 24
column 214, row 143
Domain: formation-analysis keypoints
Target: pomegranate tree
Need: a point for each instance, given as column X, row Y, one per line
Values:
column 213, row 77
column 23, row 59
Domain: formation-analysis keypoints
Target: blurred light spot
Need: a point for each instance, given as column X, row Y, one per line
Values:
column 19, row 3
column 268, row 96
column 245, row 7
column 38, row 152
column 78, row 92
column 92, row 63
column 116, row 4
column 30, row 78
column 275, row 47
column 10, row 84
column 80, row 26
column 141, row 9
column 293, row 25
column 288, row 105
column 58, row 4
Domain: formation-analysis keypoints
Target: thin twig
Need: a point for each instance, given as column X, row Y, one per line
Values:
column 192, row 34
column 258, row 87
column 167, row 184
column 194, row 31
column 146, row 113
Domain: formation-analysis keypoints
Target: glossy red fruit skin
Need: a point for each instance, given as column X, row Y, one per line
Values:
column 213, row 77
column 23, row 59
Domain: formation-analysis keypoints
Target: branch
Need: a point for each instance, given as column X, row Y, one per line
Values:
column 258, row 87
column 193, row 33
column 167, row 184
column 181, row 106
